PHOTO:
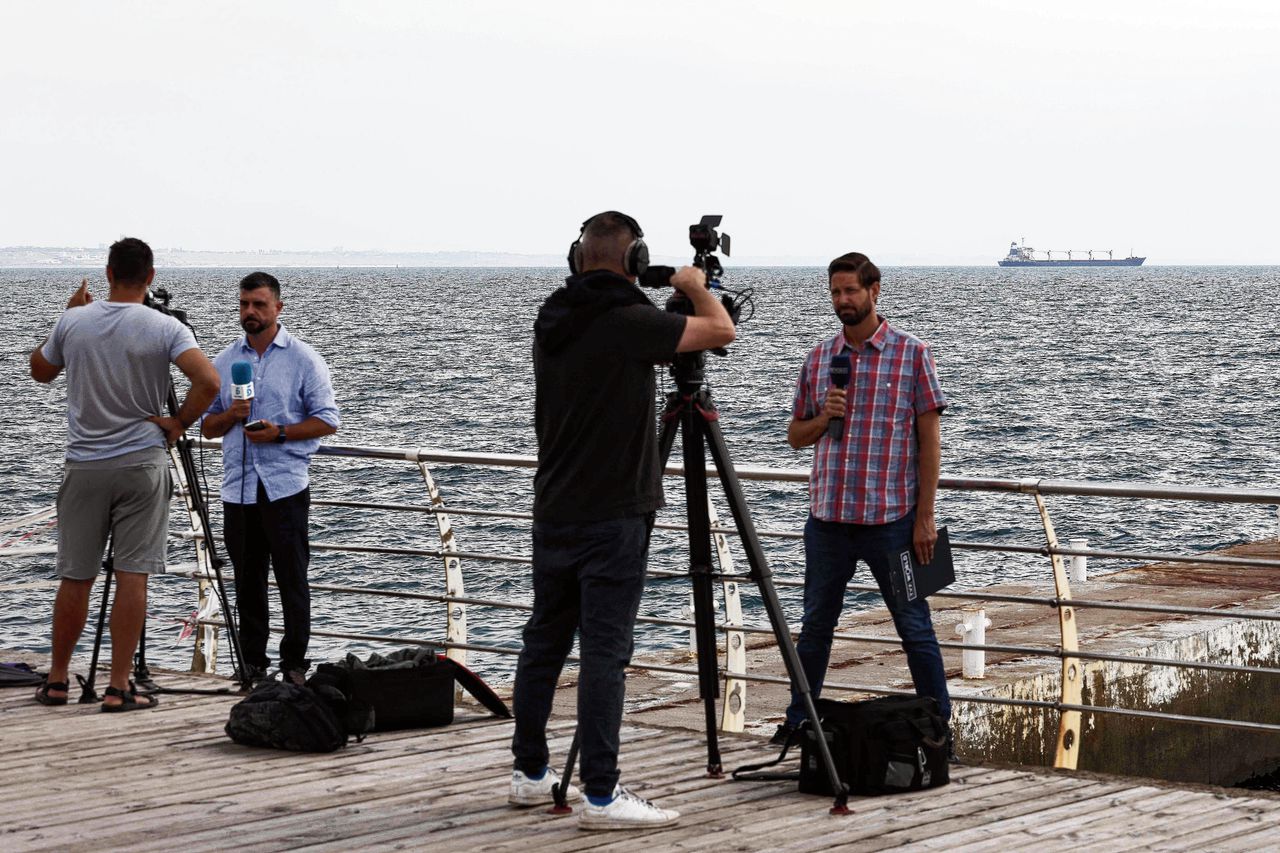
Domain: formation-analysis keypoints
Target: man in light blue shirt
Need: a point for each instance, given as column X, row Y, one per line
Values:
column 269, row 435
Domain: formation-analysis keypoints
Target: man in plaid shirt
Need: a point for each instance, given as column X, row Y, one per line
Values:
column 872, row 490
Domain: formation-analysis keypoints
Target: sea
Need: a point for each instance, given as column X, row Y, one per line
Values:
column 1160, row 375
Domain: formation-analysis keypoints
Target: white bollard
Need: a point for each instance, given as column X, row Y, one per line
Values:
column 973, row 630
column 1079, row 564
column 688, row 613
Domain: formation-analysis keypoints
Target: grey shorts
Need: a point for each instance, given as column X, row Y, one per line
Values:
column 128, row 496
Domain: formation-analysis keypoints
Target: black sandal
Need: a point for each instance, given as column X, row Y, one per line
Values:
column 42, row 692
column 128, row 700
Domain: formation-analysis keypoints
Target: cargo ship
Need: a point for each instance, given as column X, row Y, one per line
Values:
column 1025, row 256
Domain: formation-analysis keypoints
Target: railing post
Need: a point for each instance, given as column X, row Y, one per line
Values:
column 204, row 656
column 733, row 714
column 456, row 611
column 1068, row 750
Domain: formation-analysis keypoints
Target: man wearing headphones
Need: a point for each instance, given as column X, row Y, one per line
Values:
column 598, row 485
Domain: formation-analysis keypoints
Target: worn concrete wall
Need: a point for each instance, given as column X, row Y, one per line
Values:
column 1143, row 747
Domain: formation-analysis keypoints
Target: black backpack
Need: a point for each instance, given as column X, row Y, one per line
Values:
column 281, row 715
column 888, row 745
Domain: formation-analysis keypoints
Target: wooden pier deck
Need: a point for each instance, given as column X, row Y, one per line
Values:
column 76, row 779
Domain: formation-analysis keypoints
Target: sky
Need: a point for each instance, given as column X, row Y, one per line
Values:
column 916, row 132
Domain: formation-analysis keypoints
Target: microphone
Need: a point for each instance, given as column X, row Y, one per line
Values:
column 241, row 381
column 841, row 368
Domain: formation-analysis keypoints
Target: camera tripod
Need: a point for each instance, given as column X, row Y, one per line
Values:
column 690, row 410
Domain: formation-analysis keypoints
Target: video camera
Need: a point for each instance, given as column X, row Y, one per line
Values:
column 705, row 240
column 158, row 298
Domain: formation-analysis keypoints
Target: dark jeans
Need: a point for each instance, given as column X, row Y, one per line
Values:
column 271, row 533
column 832, row 551
column 586, row 578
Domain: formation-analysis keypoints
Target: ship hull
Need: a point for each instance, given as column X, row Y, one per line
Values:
column 1083, row 262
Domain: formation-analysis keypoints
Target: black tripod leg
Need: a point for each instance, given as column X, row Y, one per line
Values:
column 87, row 692
column 763, row 578
column 560, row 792
column 679, row 414
column 142, row 672
column 700, row 568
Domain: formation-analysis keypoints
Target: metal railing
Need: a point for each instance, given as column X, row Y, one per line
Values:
column 1068, row 705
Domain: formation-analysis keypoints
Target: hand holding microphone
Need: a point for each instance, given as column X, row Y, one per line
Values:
column 841, row 370
column 241, row 390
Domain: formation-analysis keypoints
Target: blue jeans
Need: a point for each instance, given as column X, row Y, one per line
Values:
column 831, row 552
column 587, row 578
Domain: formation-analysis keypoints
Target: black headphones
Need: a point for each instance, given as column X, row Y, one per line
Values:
column 635, row 260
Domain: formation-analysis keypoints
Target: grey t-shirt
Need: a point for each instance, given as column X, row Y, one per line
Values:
column 117, row 357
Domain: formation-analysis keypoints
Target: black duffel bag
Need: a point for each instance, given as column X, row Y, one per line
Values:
column 887, row 745
column 408, row 689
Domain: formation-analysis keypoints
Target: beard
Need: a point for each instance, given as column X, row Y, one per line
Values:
column 854, row 316
column 252, row 325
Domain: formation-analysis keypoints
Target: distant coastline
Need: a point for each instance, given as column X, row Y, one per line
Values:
column 74, row 257
column 59, row 257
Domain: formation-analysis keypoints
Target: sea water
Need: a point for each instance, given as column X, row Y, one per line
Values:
column 1155, row 374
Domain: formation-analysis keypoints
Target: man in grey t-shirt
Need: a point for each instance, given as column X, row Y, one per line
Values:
column 116, row 480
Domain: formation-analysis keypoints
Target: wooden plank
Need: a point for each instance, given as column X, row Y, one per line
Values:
column 448, row 788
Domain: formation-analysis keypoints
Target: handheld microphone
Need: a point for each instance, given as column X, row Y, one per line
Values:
column 241, row 381
column 841, row 369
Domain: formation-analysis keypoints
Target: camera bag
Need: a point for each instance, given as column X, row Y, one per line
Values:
column 409, row 689
column 887, row 745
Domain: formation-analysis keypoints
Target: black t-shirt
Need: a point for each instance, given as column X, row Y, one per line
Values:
column 595, row 413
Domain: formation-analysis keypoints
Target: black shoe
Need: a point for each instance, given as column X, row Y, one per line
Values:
column 952, row 758
column 294, row 676
column 250, row 675
column 783, row 734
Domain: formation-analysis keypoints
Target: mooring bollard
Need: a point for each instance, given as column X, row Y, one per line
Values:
column 1079, row 564
column 973, row 630
column 688, row 613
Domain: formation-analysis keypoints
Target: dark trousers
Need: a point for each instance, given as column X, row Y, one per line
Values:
column 271, row 534
column 587, row 578
column 831, row 552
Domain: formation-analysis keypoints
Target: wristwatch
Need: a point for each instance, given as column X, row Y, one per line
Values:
column 281, row 438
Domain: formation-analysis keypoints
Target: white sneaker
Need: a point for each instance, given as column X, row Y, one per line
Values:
column 537, row 792
column 627, row 811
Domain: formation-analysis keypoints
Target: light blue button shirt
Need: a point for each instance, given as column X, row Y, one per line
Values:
column 290, row 384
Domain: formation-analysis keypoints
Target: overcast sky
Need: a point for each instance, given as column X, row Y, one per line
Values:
column 917, row 132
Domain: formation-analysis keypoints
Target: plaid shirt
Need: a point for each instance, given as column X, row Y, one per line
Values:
column 870, row 477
